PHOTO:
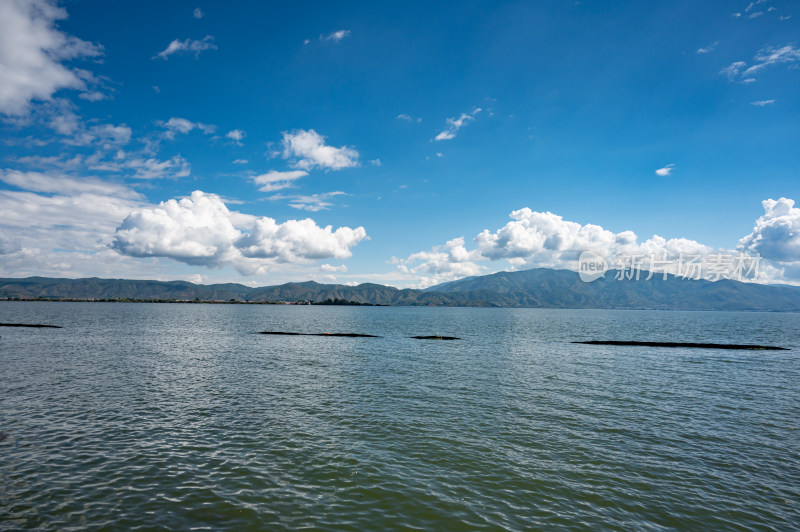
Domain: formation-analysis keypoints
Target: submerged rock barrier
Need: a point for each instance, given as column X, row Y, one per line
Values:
column 685, row 344
column 349, row 335
column 30, row 325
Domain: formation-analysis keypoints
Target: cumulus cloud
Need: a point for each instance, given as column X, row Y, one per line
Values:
column 187, row 46
column 331, row 268
column 454, row 124
column 274, row 180
column 198, row 13
column 32, row 52
column 440, row 264
column 776, row 234
column 176, row 125
column 307, row 150
column 539, row 239
column 236, row 135
column 665, row 171
column 200, row 230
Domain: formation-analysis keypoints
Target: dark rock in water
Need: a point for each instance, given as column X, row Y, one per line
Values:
column 349, row 335
column 686, row 344
column 30, row 325
column 436, row 337
column 3, row 436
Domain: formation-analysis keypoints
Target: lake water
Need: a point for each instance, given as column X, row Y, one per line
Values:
column 178, row 415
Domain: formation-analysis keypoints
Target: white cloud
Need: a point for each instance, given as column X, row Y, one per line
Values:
column 187, row 46
column 443, row 263
column 773, row 56
column 181, row 125
column 776, row 234
column 311, row 203
column 331, row 268
column 762, row 103
column 240, row 161
column 336, row 36
column 708, row 49
column 667, row 170
column 200, row 230
column 31, row 54
column 62, row 184
column 143, row 167
column 236, row 135
column 408, row 118
column 756, row 14
column 454, row 124
column 71, row 214
column 198, row 13
column 753, row 4
column 538, row 239
column 308, row 150
column 8, row 246
column 543, row 239
column 733, row 70
column 274, row 180
column 765, row 57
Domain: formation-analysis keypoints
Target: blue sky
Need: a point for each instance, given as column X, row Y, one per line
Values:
column 217, row 142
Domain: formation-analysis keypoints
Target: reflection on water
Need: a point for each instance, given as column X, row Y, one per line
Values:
column 140, row 415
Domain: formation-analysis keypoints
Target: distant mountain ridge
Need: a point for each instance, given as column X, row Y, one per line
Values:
column 539, row 288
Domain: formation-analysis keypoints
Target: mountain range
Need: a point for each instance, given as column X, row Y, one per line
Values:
column 539, row 288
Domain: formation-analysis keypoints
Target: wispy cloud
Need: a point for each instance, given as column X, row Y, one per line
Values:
column 274, row 180
column 187, row 46
column 408, row 118
column 198, row 13
column 454, row 124
column 664, row 172
column 762, row 103
column 708, row 49
column 336, row 36
column 764, row 58
column 177, row 125
column 311, row 203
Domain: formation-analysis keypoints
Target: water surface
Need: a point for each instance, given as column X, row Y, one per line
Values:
column 179, row 415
